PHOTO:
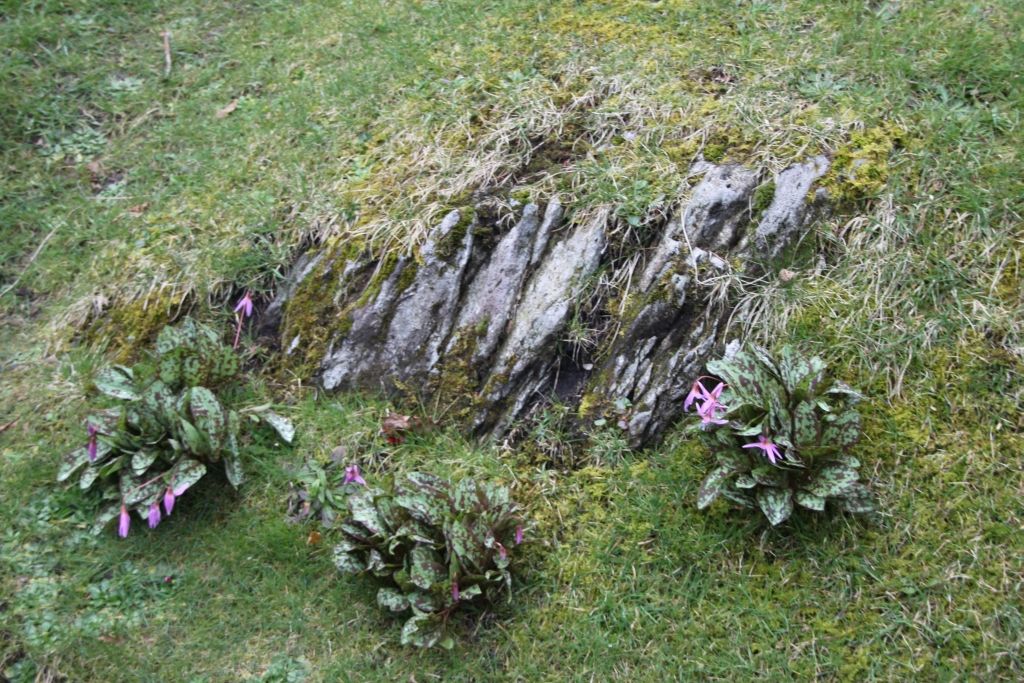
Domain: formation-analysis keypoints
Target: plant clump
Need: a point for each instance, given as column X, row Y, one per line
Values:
column 168, row 426
column 782, row 431
column 436, row 547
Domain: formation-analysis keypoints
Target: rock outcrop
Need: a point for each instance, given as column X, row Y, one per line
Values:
column 495, row 310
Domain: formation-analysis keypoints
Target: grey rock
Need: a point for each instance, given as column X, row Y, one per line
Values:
column 399, row 334
column 543, row 312
column 719, row 208
column 491, row 295
column 423, row 314
column 787, row 215
column 356, row 360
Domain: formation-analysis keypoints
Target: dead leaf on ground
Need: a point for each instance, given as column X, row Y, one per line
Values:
column 233, row 105
column 394, row 426
column 313, row 538
column 138, row 209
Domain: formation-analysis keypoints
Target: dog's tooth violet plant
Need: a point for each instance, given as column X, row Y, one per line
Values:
column 435, row 546
column 781, row 431
column 166, row 428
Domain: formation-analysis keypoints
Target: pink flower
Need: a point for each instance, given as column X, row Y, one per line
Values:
column 154, row 515
column 519, row 534
column 502, row 552
column 92, row 442
column 707, row 411
column 243, row 310
column 771, row 451
column 124, row 523
column 352, row 475
column 696, row 391
column 708, row 402
column 169, row 500
column 455, row 591
column 245, row 305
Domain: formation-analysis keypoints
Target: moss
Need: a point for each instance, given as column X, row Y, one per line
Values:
column 731, row 144
column 522, row 196
column 591, row 405
column 763, row 197
column 308, row 315
column 714, row 152
column 452, row 242
column 131, row 326
column 407, row 276
column 860, row 167
column 456, row 386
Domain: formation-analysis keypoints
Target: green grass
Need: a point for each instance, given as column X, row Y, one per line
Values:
column 363, row 121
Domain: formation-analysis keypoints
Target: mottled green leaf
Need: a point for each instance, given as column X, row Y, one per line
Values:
column 232, row 460
column 117, row 382
column 423, row 507
column 357, row 532
column 805, row 424
column 768, row 475
column 141, row 461
column 776, row 504
column 423, row 482
column 375, row 563
column 468, row 547
column 169, row 339
column 800, row 373
column 194, row 439
column 361, row 507
column 753, row 430
column 809, row 500
column 88, row 478
column 423, row 601
column 74, row 461
column 423, row 630
column 750, row 380
column 208, row 417
column 170, row 370
column 135, row 491
column 417, row 532
column 832, row 479
column 843, row 430
column 745, row 481
column 470, row 592
column 185, row 473
column 739, row 497
column 391, row 599
column 845, row 390
column 761, row 354
column 713, row 485
column 857, row 499
column 282, row 425
column 348, row 561
column 105, row 516
column 426, row 567
column 466, row 496
column 233, row 469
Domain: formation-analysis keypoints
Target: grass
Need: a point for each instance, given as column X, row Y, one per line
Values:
column 359, row 123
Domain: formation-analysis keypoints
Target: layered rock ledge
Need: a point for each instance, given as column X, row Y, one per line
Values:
column 477, row 322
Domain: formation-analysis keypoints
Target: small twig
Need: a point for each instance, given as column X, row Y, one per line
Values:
column 27, row 265
column 167, row 53
column 4, row 428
